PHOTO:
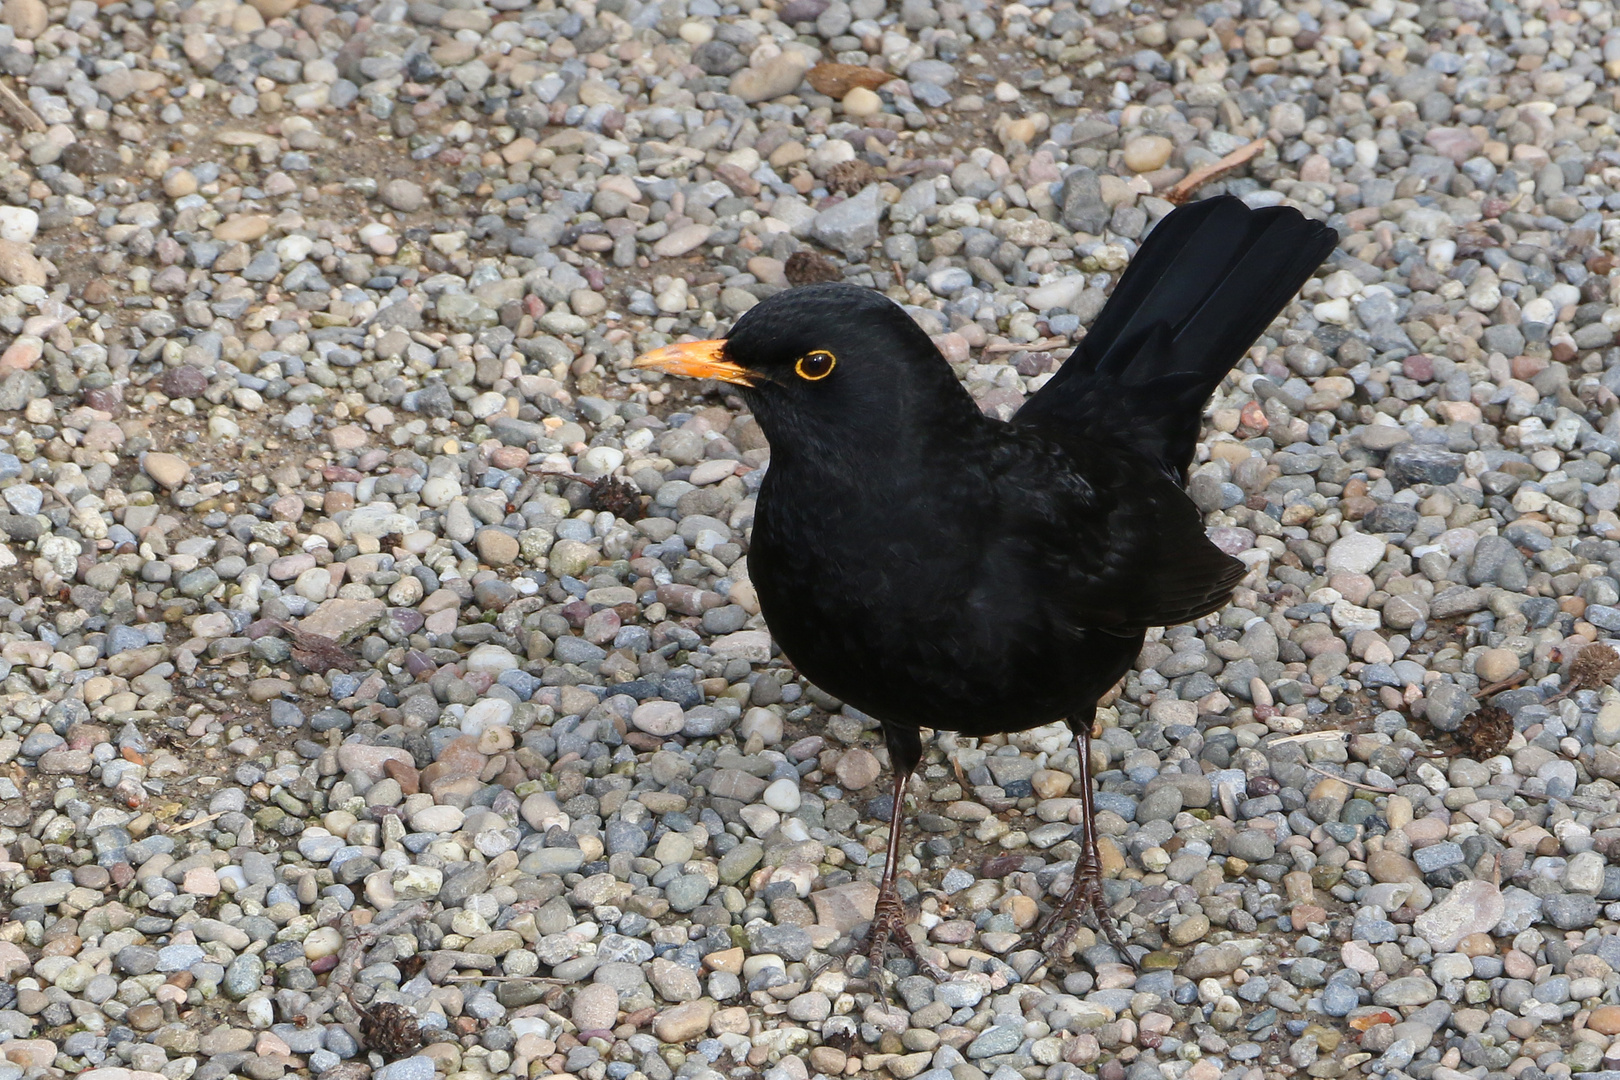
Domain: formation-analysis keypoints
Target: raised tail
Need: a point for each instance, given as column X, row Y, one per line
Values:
column 1204, row 285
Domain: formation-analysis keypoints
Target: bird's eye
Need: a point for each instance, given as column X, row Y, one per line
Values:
column 815, row 365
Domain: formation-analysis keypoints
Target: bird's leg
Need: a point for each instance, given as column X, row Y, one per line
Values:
column 1056, row 932
column 889, row 914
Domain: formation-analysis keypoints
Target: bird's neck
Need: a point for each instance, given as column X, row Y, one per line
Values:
column 884, row 448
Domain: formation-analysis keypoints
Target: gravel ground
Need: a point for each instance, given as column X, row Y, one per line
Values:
column 335, row 672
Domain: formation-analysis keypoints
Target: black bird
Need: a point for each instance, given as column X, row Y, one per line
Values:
column 937, row 568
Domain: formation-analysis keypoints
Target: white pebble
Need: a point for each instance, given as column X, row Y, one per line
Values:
column 782, row 795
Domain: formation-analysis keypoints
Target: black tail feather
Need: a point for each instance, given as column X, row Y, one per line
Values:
column 1204, row 285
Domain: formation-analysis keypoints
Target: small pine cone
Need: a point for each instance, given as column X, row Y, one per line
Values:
column 849, row 177
column 317, row 652
column 618, row 497
column 1593, row 668
column 808, row 268
column 391, row 1030
column 1485, row 733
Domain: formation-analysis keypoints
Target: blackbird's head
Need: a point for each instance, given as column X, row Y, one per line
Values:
column 820, row 363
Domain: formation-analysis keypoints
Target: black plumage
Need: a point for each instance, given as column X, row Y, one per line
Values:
column 941, row 569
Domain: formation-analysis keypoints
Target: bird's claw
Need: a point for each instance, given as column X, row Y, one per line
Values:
column 1054, row 934
column 888, row 927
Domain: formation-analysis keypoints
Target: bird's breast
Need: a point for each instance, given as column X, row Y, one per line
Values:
column 887, row 608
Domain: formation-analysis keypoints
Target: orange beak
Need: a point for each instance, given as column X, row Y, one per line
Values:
column 696, row 360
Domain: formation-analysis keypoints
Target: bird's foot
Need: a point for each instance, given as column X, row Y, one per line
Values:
column 889, row 928
column 1056, row 933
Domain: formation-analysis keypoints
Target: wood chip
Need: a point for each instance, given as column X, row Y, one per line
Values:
column 1331, row 734
column 836, row 80
column 1352, row 783
column 1199, row 177
column 194, row 822
column 1026, row 346
column 19, row 110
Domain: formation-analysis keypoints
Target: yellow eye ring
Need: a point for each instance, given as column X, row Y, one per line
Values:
column 814, row 366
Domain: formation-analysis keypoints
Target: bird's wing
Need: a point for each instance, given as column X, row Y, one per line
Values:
column 1114, row 544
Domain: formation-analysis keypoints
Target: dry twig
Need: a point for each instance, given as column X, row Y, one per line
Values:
column 1504, row 684
column 1199, row 177
column 1352, row 783
column 1306, row 736
column 194, row 822
column 19, row 110
column 1029, row 346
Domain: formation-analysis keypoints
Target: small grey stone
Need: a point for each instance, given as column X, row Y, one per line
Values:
column 178, row 957
column 1570, row 911
column 1253, row 845
column 1339, row 998
column 1002, row 1039
column 243, row 976
column 851, row 226
column 686, row 892
column 1409, row 990
column 411, row 1068
column 1446, row 705
column 1421, row 463
column 1080, row 198
column 1437, row 856
column 407, row 197
column 788, row 942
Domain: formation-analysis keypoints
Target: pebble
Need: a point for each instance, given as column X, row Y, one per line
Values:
column 27, row 19
column 1145, row 153
column 19, row 266
column 169, row 470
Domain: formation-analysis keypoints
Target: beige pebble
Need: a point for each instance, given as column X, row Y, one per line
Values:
column 1152, row 34
column 774, row 78
column 1425, row 830
column 1147, row 152
column 179, row 183
column 1516, row 965
column 19, row 265
column 1021, row 130
column 862, row 102
column 322, row 941
column 1191, row 929
column 788, row 153
column 244, row 229
column 1051, row 783
column 497, row 548
column 27, row 18
column 519, row 149
column 684, row 1021
column 168, row 470
column 22, row 354
column 1330, row 787
column 1022, row 909
column 201, row 881
column 856, row 769
column 1398, row 811
column 275, row 9
column 1109, row 858
column 1494, row 665
column 1388, row 866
